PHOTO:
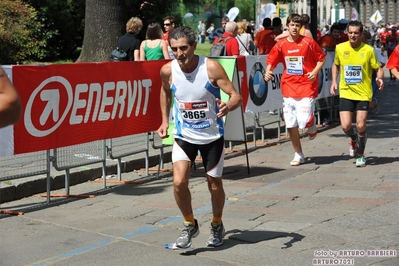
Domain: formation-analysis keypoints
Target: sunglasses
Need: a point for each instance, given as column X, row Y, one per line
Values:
column 166, row 24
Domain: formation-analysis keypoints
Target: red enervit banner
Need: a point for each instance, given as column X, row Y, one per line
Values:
column 76, row 103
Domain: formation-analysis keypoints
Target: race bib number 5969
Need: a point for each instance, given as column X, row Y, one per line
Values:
column 353, row 74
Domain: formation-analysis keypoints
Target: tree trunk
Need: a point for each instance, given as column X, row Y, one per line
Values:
column 105, row 21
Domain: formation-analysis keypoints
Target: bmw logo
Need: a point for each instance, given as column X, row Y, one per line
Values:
column 257, row 84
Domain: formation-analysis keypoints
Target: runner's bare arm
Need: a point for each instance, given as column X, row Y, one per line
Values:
column 268, row 73
column 379, row 78
column 283, row 35
column 334, row 85
column 312, row 75
column 395, row 72
column 142, row 53
column 307, row 33
column 10, row 105
column 165, row 99
column 165, row 52
column 218, row 77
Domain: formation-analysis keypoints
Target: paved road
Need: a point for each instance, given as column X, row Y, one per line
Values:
column 276, row 215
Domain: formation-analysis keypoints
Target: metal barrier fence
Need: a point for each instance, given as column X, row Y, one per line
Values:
column 125, row 146
column 330, row 104
column 66, row 158
column 26, row 165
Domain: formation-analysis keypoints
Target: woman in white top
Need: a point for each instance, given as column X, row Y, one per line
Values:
column 244, row 39
column 154, row 48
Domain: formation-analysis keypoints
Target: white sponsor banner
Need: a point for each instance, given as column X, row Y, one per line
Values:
column 264, row 96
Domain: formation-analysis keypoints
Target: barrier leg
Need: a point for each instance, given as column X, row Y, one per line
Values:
column 67, row 177
column 67, row 194
column 9, row 212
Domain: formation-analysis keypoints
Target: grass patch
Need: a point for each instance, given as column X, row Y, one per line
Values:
column 203, row 48
column 7, row 182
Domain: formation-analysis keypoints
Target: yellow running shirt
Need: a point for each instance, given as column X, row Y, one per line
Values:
column 356, row 69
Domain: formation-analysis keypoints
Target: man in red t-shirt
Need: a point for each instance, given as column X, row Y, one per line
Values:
column 329, row 41
column 232, row 46
column 393, row 62
column 267, row 28
column 267, row 41
column 383, row 39
column 302, row 58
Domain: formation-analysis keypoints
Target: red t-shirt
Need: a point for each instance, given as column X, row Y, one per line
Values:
column 327, row 41
column 383, row 36
column 318, row 34
column 259, row 36
column 393, row 60
column 303, row 55
column 165, row 36
column 266, row 42
column 232, row 46
column 391, row 41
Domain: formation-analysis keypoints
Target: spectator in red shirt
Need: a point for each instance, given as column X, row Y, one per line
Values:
column 329, row 41
column 267, row 27
column 383, row 39
column 267, row 42
column 169, row 25
column 229, row 36
column 343, row 23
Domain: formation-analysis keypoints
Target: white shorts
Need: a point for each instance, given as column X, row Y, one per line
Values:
column 298, row 112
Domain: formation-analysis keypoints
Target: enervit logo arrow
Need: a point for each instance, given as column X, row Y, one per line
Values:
column 52, row 105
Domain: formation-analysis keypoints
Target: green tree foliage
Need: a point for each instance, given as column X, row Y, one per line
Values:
column 20, row 33
column 152, row 11
column 247, row 9
column 63, row 27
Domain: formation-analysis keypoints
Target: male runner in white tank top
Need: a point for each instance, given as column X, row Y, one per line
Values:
column 196, row 83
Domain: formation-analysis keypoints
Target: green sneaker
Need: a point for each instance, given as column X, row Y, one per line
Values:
column 360, row 161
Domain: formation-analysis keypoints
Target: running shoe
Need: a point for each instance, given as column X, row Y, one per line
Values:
column 352, row 148
column 312, row 130
column 190, row 231
column 376, row 110
column 312, row 136
column 299, row 159
column 216, row 237
column 360, row 161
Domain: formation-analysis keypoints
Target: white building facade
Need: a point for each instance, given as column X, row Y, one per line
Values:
column 330, row 11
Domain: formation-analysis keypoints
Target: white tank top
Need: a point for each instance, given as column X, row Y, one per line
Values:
column 194, row 106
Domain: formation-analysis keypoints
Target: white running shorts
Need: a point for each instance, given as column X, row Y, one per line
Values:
column 298, row 112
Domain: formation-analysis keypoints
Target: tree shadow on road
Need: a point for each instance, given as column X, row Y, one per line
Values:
column 238, row 237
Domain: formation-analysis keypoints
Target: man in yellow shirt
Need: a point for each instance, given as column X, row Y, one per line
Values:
column 356, row 61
